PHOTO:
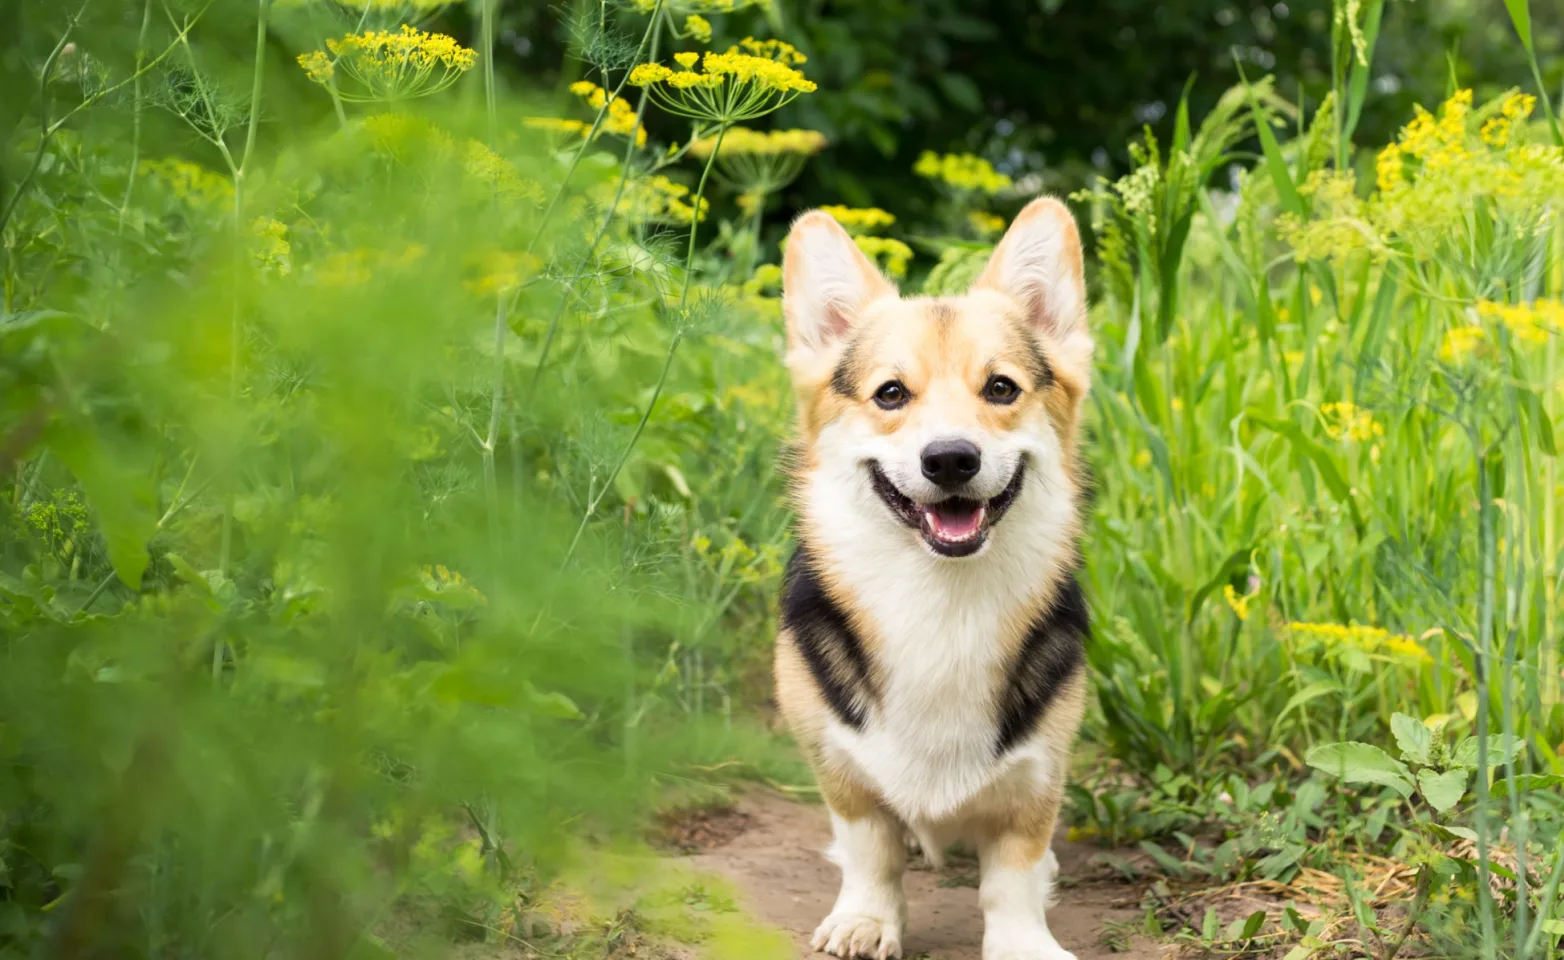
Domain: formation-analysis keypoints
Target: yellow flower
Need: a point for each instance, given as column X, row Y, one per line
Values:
column 985, row 224
column 620, row 119
column 891, row 254
column 1361, row 638
column 494, row 171
column 1238, row 601
column 1345, row 421
column 1528, row 323
column 748, row 81
column 686, row 60
column 743, row 140
column 656, row 199
column 391, row 66
column 767, row 276
column 1460, row 342
column 269, row 245
column 698, row 27
column 1143, row 459
column 189, row 182
column 859, row 219
column 961, row 171
column 317, row 66
column 500, row 271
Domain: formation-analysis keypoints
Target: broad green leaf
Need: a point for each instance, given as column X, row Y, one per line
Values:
column 1442, row 790
column 123, row 497
column 1447, row 832
column 1415, row 740
column 1528, row 783
column 1498, row 755
column 552, row 704
column 1253, row 924
column 1361, row 763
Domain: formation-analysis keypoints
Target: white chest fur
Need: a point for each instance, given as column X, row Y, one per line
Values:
column 943, row 634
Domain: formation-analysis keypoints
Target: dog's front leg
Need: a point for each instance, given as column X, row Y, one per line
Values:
column 871, row 909
column 1018, row 873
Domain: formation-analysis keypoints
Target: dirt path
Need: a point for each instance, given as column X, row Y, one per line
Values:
column 775, row 859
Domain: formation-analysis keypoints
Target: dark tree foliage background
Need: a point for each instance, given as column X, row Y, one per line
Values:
column 1060, row 87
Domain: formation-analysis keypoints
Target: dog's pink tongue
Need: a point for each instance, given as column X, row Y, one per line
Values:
column 954, row 520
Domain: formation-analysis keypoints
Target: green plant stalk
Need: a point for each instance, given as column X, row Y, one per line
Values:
column 552, row 331
column 673, row 348
column 497, row 388
column 236, row 325
column 135, row 120
column 652, row 35
column 1483, row 659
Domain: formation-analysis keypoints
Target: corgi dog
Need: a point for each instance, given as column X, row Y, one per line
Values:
column 930, row 648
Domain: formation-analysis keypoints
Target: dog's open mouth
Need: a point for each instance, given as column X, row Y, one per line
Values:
column 955, row 526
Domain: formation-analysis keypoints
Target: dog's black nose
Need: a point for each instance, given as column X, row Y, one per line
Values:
column 950, row 463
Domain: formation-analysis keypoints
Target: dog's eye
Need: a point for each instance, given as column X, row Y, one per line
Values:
column 1001, row 390
column 891, row 395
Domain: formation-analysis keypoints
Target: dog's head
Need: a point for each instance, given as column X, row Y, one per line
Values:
column 938, row 416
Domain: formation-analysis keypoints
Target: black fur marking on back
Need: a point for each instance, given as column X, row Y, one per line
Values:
column 824, row 635
column 1052, row 652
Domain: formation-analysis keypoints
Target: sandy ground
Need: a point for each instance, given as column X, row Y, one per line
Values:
column 775, row 859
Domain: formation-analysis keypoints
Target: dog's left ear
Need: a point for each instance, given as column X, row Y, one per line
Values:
column 1038, row 265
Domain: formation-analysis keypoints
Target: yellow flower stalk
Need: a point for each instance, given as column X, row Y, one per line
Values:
column 390, row 66
column 748, row 81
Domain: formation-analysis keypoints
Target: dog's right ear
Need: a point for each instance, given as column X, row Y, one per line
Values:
column 826, row 283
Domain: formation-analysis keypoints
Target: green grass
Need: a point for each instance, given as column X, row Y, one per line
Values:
column 393, row 509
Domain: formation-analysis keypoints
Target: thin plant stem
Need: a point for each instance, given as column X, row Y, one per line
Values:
column 236, row 319
column 1483, row 662
column 662, row 377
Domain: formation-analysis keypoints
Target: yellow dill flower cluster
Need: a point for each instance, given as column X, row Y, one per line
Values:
column 494, row 171
column 656, row 199
column 189, row 182
column 448, row 585
column 961, row 171
column 390, row 65
column 766, row 278
column 697, row 28
column 985, row 224
column 1529, row 323
column 1443, row 167
column 494, row 272
column 269, row 245
column 1462, row 342
column 1515, row 109
column 358, row 267
column 619, row 120
column 748, row 81
column 889, row 253
column 860, row 219
column 743, row 140
column 758, row 162
column 1361, row 638
column 1346, row 421
column 700, row 6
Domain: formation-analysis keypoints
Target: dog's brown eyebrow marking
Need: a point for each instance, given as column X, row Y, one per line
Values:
column 1037, row 364
column 844, row 378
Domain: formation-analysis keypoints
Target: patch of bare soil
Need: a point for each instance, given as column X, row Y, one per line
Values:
column 695, row 829
column 779, row 865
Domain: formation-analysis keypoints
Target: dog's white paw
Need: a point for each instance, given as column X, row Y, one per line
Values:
column 1034, row 944
column 848, row 935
